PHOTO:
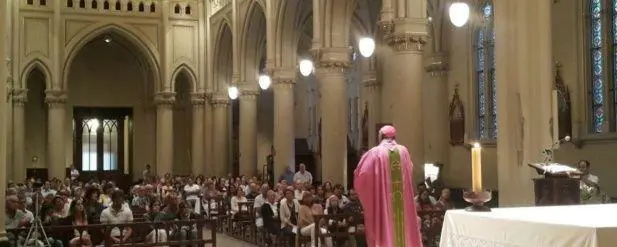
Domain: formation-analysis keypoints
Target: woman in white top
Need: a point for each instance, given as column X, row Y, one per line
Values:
column 235, row 200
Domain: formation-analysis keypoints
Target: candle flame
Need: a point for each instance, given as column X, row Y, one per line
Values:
column 476, row 145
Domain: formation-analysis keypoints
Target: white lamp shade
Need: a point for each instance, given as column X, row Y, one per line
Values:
column 264, row 82
column 366, row 46
column 459, row 13
column 306, row 67
column 233, row 92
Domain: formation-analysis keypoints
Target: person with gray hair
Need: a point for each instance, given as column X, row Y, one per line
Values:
column 269, row 213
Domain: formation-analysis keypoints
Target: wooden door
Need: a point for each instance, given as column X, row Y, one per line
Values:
column 102, row 140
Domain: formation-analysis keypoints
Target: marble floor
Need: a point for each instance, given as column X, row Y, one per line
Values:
column 226, row 241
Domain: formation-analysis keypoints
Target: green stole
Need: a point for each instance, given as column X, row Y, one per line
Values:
column 398, row 209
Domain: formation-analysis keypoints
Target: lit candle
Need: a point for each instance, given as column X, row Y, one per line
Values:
column 476, row 167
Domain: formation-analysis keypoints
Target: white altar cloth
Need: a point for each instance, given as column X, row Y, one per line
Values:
column 554, row 226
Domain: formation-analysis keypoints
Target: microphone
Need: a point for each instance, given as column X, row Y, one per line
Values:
column 566, row 139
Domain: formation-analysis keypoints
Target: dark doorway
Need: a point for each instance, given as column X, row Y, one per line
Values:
column 103, row 139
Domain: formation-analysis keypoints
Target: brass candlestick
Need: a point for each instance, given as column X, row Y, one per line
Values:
column 477, row 200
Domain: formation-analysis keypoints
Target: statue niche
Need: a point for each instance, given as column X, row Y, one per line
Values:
column 457, row 120
column 564, row 120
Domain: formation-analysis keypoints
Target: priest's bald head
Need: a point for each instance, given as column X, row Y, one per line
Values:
column 387, row 132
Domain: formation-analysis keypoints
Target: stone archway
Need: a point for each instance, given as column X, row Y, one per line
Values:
column 182, row 123
column 110, row 75
column 253, row 130
column 30, row 122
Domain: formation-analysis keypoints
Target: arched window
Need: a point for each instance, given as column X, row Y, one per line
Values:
column 95, row 4
column 152, row 7
column 187, row 9
column 129, row 6
column 141, row 7
column 177, row 9
column 106, row 5
column 485, row 74
column 602, row 62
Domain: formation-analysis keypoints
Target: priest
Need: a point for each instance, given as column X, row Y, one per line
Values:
column 383, row 183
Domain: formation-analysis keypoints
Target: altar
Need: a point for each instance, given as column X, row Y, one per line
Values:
column 547, row 226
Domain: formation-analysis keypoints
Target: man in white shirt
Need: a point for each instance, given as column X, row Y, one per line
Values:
column 260, row 200
column 338, row 192
column 47, row 190
column 191, row 192
column 303, row 175
column 118, row 213
column 74, row 173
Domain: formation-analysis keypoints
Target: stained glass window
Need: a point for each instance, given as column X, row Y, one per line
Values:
column 602, row 61
column 110, row 144
column 89, row 144
column 485, row 74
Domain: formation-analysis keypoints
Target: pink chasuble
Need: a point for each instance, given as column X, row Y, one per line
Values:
column 385, row 188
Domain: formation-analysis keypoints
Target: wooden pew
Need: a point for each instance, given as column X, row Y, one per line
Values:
column 134, row 240
column 340, row 227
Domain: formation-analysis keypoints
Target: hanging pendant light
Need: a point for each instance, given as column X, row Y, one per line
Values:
column 459, row 13
column 306, row 67
column 366, row 46
column 264, row 81
column 233, row 92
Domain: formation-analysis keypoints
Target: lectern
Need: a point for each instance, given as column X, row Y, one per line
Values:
column 558, row 186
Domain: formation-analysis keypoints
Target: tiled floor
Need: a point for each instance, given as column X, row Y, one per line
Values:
column 223, row 240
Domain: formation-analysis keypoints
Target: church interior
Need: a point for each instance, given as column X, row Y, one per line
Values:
column 132, row 90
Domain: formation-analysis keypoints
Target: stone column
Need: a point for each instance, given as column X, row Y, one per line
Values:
column 333, row 87
column 403, row 85
column 524, row 84
column 284, row 135
column 436, row 110
column 164, row 132
column 56, row 115
column 18, row 173
column 220, row 135
column 371, row 92
column 208, row 134
column 248, row 131
column 197, row 136
column 4, row 109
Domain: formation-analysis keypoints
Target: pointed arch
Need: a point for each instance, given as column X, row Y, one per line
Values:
column 253, row 42
column 223, row 56
column 146, row 50
column 189, row 72
column 36, row 64
column 289, row 18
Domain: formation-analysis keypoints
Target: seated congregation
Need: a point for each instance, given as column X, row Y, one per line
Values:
column 175, row 211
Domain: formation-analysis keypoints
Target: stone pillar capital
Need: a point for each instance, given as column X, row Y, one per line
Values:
column 412, row 42
column 198, row 100
column 249, row 94
column 284, row 83
column 55, row 98
column 437, row 65
column 331, row 66
column 165, row 99
column 220, row 100
column 19, row 96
